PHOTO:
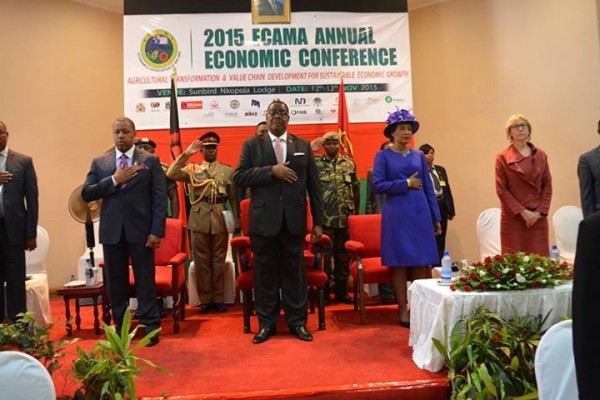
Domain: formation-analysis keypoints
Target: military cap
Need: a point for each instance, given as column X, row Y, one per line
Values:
column 331, row 136
column 145, row 140
column 210, row 139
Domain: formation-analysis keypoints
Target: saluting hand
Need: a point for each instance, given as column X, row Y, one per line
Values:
column 194, row 147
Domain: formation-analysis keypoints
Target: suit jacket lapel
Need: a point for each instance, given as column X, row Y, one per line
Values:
column 10, row 157
column 291, row 147
column 267, row 148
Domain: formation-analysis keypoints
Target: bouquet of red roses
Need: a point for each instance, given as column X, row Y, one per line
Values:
column 512, row 271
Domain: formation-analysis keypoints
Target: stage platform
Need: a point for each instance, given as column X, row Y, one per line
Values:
column 211, row 358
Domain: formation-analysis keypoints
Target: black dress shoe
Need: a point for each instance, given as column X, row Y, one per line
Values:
column 263, row 334
column 204, row 308
column 153, row 341
column 219, row 307
column 344, row 298
column 301, row 332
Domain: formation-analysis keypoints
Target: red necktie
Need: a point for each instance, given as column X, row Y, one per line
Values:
column 279, row 150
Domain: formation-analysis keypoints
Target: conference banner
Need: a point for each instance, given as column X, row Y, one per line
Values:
column 228, row 70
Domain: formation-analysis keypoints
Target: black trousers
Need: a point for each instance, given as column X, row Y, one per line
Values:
column 116, row 258
column 12, row 271
column 441, row 239
column 279, row 264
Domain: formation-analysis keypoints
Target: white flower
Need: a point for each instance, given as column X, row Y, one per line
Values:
column 540, row 268
column 498, row 286
column 526, row 258
column 522, row 269
column 543, row 281
column 505, row 270
column 520, row 278
column 556, row 282
column 482, row 273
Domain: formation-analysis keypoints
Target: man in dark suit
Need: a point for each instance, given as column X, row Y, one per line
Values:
column 279, row 168
column 270, row 7
column 18, row 224
column 132, row 186
column 443, row 193
column 586, row 298
column 588, row 171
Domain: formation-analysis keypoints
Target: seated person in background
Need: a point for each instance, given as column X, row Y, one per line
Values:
column 211, row 187
column 341, row 198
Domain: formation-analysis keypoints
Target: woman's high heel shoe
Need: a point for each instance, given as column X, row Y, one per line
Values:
column 404, row 318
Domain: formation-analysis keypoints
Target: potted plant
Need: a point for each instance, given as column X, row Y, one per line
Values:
column 110, row 369
column 491, row 358
column 24, row 335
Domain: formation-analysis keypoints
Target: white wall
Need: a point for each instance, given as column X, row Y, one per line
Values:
column 475, row 63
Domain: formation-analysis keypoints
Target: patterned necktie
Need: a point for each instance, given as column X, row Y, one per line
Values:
column 278, row 147
column 436, row 181
column 123, row 164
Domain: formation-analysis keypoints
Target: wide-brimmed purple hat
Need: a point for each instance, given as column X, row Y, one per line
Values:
column 400, row 117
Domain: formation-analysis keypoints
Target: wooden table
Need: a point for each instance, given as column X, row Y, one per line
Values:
column 81, row 292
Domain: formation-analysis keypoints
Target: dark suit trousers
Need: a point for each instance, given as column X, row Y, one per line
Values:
column 441, row 239
column 116, row 257
column 279, row 263
column 12, row 271
column 586, row 298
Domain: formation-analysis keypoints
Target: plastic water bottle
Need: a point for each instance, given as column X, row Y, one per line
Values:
column 554, row 254
column 446, row 268
column 89, row 273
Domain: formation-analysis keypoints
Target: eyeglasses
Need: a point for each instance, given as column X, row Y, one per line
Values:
column 282, row 114
column 519, row 127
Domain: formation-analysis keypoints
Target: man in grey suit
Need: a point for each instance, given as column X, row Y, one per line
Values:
column 18, row 224
column 132, row 186
column 279, row 168
column 588, row 171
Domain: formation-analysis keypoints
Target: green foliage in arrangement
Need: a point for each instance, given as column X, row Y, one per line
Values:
column 24, row 335
column 110, row 369
column 512, row 271
column 490, row 358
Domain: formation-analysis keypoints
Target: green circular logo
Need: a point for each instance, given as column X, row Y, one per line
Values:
column 159, row 49
column 388, row 99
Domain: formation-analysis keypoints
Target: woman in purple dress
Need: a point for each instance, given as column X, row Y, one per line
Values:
column 410, row 218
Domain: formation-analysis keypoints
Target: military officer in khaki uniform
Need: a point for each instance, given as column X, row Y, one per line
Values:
column 211, row 186
column 341, row 198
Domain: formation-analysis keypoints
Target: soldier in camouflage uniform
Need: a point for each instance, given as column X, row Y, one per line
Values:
column 341, row 198
column 211, row 186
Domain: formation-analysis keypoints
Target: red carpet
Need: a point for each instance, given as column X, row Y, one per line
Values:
column 211, row 358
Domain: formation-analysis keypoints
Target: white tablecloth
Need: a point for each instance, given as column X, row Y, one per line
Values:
column 435, row 309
